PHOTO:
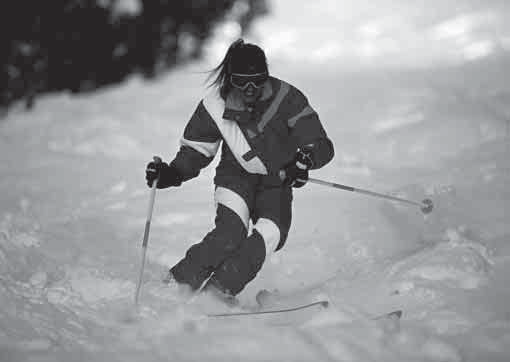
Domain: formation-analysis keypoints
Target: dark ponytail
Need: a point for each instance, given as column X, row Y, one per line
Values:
column 223, row 71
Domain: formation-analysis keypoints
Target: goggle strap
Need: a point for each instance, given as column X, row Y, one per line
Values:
column 249, row 75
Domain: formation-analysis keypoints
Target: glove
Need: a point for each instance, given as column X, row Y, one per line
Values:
column 295, row 174
column 167, row 175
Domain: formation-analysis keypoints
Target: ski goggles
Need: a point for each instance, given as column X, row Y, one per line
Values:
column 242, row 81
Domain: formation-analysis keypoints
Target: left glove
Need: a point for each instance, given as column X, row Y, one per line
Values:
column 167, row 175
column 295, row 174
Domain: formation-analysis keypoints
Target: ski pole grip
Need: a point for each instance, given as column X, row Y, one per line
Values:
column 156, row 160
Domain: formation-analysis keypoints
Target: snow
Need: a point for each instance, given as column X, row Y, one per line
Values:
column 73, row 206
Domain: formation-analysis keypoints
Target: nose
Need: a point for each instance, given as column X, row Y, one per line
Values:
column 250, row 88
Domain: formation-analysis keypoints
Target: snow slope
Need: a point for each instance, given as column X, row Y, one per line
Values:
column 73, row 203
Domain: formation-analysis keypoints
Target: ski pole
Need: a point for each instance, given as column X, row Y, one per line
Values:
column 425, row 206
column 146, row 233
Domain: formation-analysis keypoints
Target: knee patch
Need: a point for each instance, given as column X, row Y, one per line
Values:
column 270, row 232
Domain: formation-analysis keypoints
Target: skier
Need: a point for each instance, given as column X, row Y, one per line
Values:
column 271, row 138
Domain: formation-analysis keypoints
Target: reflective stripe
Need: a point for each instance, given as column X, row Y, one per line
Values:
column 273, row 108
column 270, row 233
column 208, row 149
column 234, row 202
column 233, row 135
column 305, row 112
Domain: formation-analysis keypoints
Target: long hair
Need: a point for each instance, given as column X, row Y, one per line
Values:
column 223, row 71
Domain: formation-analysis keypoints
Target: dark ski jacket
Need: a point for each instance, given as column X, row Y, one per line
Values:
column 258, row 141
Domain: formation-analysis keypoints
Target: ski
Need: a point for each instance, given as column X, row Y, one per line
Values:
column 321, row 303
column 397, row 314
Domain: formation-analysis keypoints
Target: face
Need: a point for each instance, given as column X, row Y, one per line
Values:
column 250, row 94
column 248, row 86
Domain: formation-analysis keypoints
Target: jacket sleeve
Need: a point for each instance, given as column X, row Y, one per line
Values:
column 199, row 144
column 306, row 128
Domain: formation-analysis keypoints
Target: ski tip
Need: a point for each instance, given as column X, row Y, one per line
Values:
column 396, row 314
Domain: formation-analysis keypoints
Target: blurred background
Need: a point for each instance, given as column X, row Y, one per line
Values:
column 80, row 45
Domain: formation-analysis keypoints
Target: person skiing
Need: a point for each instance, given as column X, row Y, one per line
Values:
column 270, row 138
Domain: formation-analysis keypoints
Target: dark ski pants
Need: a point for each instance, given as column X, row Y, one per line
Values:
column 234, row 256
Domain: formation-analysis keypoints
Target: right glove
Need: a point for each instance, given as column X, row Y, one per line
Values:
column 295, row 174
column 167, row 175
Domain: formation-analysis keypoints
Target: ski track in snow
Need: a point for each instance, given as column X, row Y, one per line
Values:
column 72, row 219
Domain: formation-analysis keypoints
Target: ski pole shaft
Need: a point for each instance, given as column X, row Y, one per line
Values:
column 425, row 205
column 145, row 241
column 361, row 191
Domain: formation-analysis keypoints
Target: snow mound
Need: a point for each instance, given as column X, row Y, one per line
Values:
column 458, row 263
column 94, row 287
